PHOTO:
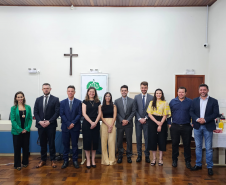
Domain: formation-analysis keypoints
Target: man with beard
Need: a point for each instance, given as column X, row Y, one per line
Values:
column 124, row 123
column 204, row 110
column 141, row 102
column 180, row 127
column 46, row 112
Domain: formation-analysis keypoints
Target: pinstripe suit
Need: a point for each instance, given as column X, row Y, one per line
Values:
column 141, row 113
column 127, row 129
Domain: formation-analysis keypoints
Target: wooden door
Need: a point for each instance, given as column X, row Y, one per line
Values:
column 191, row 83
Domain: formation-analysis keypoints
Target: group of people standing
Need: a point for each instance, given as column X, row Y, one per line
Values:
column 152, row 115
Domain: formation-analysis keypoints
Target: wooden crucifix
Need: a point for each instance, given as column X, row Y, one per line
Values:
column 71, row 55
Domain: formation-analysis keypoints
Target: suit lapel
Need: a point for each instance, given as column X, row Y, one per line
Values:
column 198, row 107
column 121, row 103
column 26, row 107
column 127, row 104
column 42, row 103
column 74, row 105
column 207, row 105
column 49, row 101
column 147, row 102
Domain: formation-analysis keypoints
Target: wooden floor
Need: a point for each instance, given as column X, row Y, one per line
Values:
column 135, row 173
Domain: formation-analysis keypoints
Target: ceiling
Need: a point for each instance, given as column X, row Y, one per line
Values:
column 108, row 3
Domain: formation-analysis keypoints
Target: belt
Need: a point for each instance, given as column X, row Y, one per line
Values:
column 186, row 124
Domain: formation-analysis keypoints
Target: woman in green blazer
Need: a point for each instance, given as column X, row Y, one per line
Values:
column 21, row 119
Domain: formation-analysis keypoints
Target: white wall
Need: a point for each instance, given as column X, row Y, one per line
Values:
column 131, row 44
column 217, row 55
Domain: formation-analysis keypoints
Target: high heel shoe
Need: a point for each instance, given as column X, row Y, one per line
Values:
column 94, row 166
column 88, row 167
column 160, row 162
column 153, row 162
column 17, row 168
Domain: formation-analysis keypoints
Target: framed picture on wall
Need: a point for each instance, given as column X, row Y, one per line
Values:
column 99, row 81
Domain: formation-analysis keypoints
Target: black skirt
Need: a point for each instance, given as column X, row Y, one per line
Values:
column 157, row 138
column 91, row 137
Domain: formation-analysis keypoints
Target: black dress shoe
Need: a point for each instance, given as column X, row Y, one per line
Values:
column 188, row 165
column 76, row 165
column 94, row 166
column 129, row 160
column 65, row 165
column 119, row 160
column 88, row 167
column 174, row 164
column 139, row 159
column 195, row 168
column 210, row 171
column 147, row 159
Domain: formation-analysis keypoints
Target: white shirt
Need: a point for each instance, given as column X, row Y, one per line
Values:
column 203, row 104
column 44, row 97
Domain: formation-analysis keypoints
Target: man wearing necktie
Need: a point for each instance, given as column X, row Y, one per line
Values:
column 141, row 102
column 124, row 123
column 46, row 112
column 70, row 113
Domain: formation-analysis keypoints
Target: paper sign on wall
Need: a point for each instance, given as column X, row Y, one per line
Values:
column 99, row 81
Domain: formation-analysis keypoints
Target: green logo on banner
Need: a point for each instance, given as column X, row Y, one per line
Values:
column 94, row 84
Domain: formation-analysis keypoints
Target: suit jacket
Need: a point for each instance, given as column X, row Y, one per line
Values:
column 140, row 112
column 211, row 113
column 52, row 111
column 15, row 120
column 73, row 116
column 121, row 115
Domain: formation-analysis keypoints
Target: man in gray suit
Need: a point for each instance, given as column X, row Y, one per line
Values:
column 124, row 123
column 141, row 102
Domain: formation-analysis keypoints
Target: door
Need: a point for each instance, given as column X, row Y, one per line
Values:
column 191, row 83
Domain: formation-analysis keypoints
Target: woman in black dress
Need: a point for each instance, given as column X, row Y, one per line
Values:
column 91, row 110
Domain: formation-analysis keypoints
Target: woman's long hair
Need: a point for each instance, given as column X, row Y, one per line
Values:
column 15, row 100
column 154, row 101
column 104, row 101
column 96, row 99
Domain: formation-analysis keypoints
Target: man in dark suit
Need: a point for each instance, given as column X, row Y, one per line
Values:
column 70, row 113
column 46, row 112
column 124, row 123
column 141, row 102
column 204, row 110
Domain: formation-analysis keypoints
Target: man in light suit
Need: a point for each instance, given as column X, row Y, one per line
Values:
column 204, row 110
column 70, row 113
column 141, row 102
column 46, row 112
column 124, row 123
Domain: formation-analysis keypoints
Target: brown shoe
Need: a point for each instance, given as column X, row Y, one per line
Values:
column 40, row 164
column 53, row 164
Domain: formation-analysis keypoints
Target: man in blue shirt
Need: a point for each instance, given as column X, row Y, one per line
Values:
column 180, row 126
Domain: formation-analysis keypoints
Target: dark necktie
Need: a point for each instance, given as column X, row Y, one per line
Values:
column 45, row 104
column 143, row 100
column 70, row 105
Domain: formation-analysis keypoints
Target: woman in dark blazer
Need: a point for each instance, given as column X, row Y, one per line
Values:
column 91, row 110
column 21, row 119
